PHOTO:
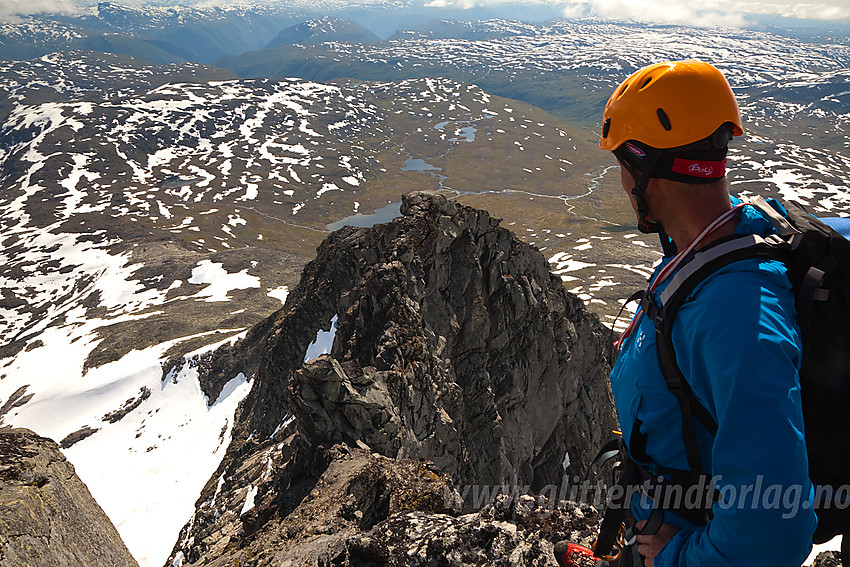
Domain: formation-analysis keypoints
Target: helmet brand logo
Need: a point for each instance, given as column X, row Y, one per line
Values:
column 702, row 169
column 635, row 150
column 698, row 169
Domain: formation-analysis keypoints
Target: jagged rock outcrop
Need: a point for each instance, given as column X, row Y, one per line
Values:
column 507, row 531
column 357, row 490
column 47, row 515
column 366, row 509
column 452, row 344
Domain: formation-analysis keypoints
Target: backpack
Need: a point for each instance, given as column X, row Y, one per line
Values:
column 817, row 258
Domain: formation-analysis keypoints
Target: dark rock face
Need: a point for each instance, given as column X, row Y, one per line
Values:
column 47, row 515
column 453, row 345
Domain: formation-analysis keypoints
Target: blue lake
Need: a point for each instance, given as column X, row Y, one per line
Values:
column 419, row 165
column 384, row 214
column 465, row 134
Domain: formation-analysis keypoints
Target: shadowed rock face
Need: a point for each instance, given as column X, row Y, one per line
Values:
column 47, row 515
column 456, row 345
column 453, row 345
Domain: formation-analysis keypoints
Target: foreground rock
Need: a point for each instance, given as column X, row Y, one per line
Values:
column 508, row 531
column 449, row 342
column 827, row 559
column 367, row 509
column 47, row 515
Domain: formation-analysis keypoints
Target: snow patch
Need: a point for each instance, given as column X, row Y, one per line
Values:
column 219, row 281
column 279, row 293
column 145, row 485
column 322, row 343
column 249, row 500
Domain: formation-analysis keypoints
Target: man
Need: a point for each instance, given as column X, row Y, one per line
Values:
column 736, row 342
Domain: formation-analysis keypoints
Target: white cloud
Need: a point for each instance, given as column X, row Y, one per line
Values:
column 660, row 12
column 13, row 10
column 703, row 12
column 464, row 4
column 828, row 10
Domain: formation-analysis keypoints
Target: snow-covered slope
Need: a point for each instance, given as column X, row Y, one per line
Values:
column 87, row 180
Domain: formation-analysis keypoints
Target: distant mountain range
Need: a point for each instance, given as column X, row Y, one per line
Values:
column 204, row 34
column 324, row 29
column 159, row 35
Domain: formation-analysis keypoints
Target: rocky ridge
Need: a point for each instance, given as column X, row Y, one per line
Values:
column 458, row 362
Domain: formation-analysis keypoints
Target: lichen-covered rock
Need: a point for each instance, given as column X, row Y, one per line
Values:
column 510, row 532
column 47, row 515
column 453, row 344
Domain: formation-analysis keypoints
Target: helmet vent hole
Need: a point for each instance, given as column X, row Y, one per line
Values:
column 623, row 90
column 664, row 119
column 645, row 83
column 606, row 127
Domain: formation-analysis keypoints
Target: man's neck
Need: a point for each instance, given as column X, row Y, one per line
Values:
column 686, row 210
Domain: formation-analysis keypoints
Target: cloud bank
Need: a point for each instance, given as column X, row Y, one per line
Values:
column 705, row 12
column 14, row 10
column 655, row 11
column 692, row 12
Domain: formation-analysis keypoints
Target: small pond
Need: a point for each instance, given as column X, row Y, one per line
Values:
column 384, row 214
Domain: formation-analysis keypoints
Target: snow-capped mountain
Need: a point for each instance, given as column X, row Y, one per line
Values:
column 149, row 212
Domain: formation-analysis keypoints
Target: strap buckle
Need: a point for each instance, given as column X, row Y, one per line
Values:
column 651, row 309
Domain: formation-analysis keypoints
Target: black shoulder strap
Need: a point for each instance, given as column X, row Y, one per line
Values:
column 676, row 293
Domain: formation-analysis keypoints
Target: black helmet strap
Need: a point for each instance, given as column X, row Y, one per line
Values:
column 639, row 190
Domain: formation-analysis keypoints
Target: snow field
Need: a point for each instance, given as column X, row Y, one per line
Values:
column 147, row 469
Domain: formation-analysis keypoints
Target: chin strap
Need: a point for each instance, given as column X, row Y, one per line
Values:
column 639, row 191
column 644, row 224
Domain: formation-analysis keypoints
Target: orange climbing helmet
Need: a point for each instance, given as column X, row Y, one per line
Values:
column 668, row 105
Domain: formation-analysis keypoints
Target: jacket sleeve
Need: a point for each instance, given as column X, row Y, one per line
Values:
column 740, row 348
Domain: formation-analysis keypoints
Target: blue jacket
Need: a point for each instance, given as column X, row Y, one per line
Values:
column 738, row 344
